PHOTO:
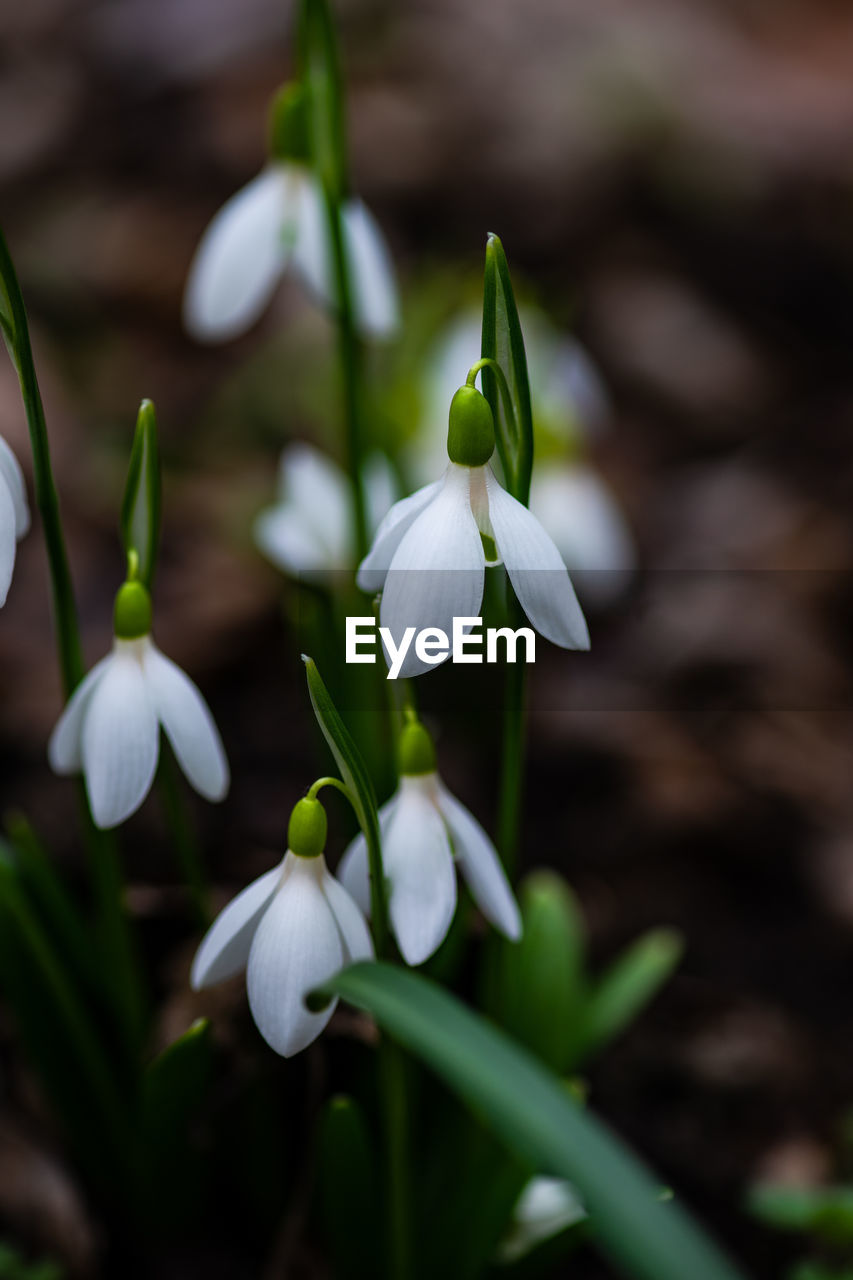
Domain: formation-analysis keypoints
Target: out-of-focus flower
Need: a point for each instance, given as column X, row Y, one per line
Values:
column 276, row 221
column 309, row 531
column 14, row 515
column 291, row 930
column 110, row 728
column 430, row 552
column 545, row 1207
column 568, row 496
column 424, row 829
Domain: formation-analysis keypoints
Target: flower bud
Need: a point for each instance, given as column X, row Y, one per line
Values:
column 132, row 612
column 416, row 750
column 471, row 429
column 288, row 125
column 306, row 831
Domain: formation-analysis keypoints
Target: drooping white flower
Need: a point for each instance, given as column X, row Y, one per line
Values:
column 430, row 552
column 545, row 1207
column 278, row 221
column 568, row 496
column 291, row 930
column 425, row 830
column 110, row 728
column 309, row 530
column 14, row 515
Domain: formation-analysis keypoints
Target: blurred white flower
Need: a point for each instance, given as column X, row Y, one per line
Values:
column 309, row 530
column 278, row 220
column 580, row 513
column 424, row 828
column 14, row 515
column 428, row 558
column 110, row 730
column 545, row 1207
column 290, row 930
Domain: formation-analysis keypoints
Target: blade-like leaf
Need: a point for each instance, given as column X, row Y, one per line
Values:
column 173, row 1089
column 826, row 1212
column 503, row 342
column 532, row 1112
column 357, row 779
column 349, row 1190
column 140, row 508
column 631, row 982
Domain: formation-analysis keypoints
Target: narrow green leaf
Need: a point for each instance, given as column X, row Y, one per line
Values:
column 826, row 1212
column 502, row 341
column 173, row 1090
column 62, row 1041
column 535, row 1116
column 542, row 985
column 140, row 508
column 357, row 779
column 349, row 1192
column 631, row 982
column 320, row 73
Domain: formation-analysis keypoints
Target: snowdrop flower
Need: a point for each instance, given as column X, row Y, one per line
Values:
column 569, row 498
column 291, row 929
column 545, row 1207
column 424, row 830
column 111, row 727
column 14, row 515
column 309, row 531
column 276, row 221
column 430, row 552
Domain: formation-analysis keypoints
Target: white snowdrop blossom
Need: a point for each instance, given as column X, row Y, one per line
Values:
column 110, row 728
column 568, row 496
column 309, row 530
column 430, row 552
column 545, row 1207
column 425, row 831
column 277, row 221
column 290, row 930
column 14, row 515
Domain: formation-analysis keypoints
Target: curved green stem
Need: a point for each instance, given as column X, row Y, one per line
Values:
column 505, row 446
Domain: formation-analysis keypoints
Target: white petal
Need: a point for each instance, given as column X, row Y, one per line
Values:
column 7, row 539
column 536, row 570
column 297, row 946
column 481, row 866
column 239, row 260
column 355, row 934
column 186, row 719
column 319, row 492
column 380, row 489
column 438, row 569
column 224, row 949
column 374, row 287
column 283, row 536
column 65, row 749
column 576, row 510
column 120, row 738
column 545, row 1206
column 419, row 867
column 353, row 870
column 389, row 535
column 10, row 470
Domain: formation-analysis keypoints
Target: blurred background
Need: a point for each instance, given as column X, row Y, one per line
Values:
column 673, row 185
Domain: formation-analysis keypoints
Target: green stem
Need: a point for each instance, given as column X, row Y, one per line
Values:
column 103, row 856
column 513, row 752
column 183, row 838
column 64, row 608
column 392, row 1065
column 350, row 360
